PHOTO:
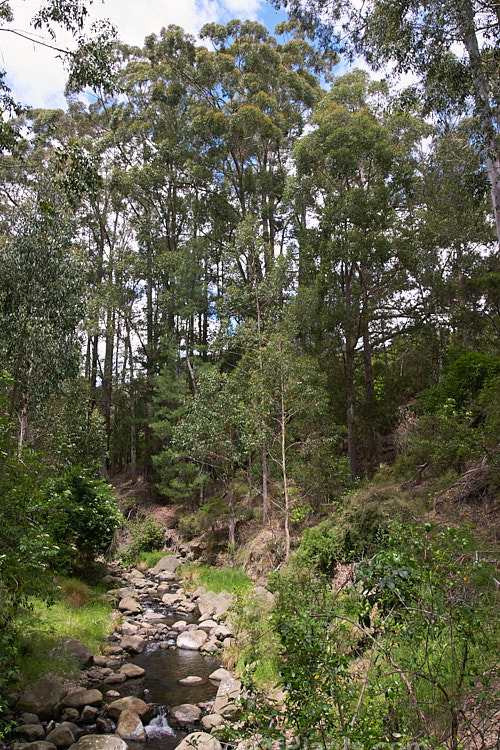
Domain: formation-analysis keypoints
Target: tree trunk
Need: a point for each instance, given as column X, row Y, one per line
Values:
column 284, row 471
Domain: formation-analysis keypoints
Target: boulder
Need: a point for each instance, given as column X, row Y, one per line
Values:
column 61, row 736
column 81, row 698
column 185, row 714
column 192, row 640
column 129, row 703
column 214, row 604
column 40, row 745
column 199, row 741
column 129, row 628
column 211, row 721
column 264, row 597
column 219, row 674
column 29, row 732
column 130, row 727
column 169, row 600
column 72, row 650
column 27, row 718
column 191, row 680
column 180, row 625
column 128, row 604
column 211, row 646
column 227, row 700
column 89, row 715
column 70, row 714
column 132, row 670
column 134, row 644
column 115, row 678
column 42, row 697
column 221, row 632
column 99, row 742
column 208, row 625
column 100, row 661
column 167, row 564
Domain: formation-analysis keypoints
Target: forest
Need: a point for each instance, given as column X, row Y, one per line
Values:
column 270, row 290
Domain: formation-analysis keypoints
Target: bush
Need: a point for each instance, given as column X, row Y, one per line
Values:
column 81, row 516
column 147, row 535
column 319, row 547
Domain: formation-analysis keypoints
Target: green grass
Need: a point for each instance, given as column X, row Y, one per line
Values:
column 234, row 580
column 149, row 559
column 79, row 613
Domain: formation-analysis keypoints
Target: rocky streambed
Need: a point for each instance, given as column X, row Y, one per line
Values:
column 158, row 682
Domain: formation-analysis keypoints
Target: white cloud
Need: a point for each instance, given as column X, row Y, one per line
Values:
column 37, row 77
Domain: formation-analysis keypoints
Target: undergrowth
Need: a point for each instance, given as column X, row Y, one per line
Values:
column 233, row 580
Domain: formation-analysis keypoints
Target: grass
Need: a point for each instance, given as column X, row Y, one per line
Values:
column 145, row 560
column 77, row 613
column 233, row 580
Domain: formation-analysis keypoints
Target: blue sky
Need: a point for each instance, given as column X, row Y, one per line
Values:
column 37, row 76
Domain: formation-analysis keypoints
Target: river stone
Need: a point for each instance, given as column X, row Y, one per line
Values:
column 191, row 680
column 132, row 670
column 71, row 649
column 227, row 698
column 115, row 679
column 129, row 605
column 211, row 721
column 100, row 661
column 70, row 714
column 221, row 632
column 89, row 715
column 167, row 564
column 27, row 718
column 185, row 714
column 40, row 745
column 207, row 625
column 129, row 628
column 99, row 742
column 129, row 703
column 133, row 643
column 170, row 599
column 211, row 646
column 192, row 640
column 123, row 593
column 42, row 697
column 114, row 649
column 81, row 698
column 61, row 736
column 200, row 741
column 219, row 674
column 29, row 732
column 130, row 727
column 199, row 591
column 214, row 604
column 180, row 625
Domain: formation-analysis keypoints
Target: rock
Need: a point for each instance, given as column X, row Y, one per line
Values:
column 211, row 721
column 115, row 679
column 112, row 694
column 214, row 604
column 100, row 661
column 105, row 725
column 132, row 670
column 167, row 564
column 89, row 715
column 27, row 718
column 99, row 742
column 185, row 714
column 192, row 640
column 207, row 624
column 40, row 745
column 221, row 632
column 191, row 680
column 129, row 628
column 123, row 593
column 166, row 576
column 129, row 703
column 227, row 699
column 187, row 607
column 128, row 604
column 264, row 597
column 200, row 741
column 70, row 714
column 219, row 674
column 199, row 591
column 133, row 643
column 42, row 697
column 211, row 646
column 130, row 727
column 114, row 649
column 169, row 600
column 180, row 625
column 61, row 736
column 81, row 698
column 71, row 649
column 29, row 732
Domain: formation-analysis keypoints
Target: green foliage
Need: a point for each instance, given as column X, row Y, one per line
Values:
column 147, row 535
column 81, row 515
column 462, row 381
column 319, row 548
column 233, row 580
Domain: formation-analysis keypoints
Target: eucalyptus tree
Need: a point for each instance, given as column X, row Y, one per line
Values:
column 353, row 170
column 450, row 45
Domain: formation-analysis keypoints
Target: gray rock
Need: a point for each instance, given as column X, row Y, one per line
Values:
column 211, row 646
column 208, row 625
column 199, row 591
column 169, row 600
column 185, row 714
column 61, row 736
column 221, row 632
column 211, row 721
column 134, row 644
column 227, row 700
column 180, row 625
column 100, row 661
column 129, row 703
column 132, row 670
column 130, row 727
column 191, row 680
column 99, row 742
column 81, row 698
column 128, row 604
column 70, row 714
column 42, row 697
column 115, row 679
column 219, row 674
column 199, row 741
column 167, row 564
column 71, row 649
column 192, row 640
column 40, row 745
column 214, row 604
column 27, row 718
column 29, row 732
column 129, row 628
column 89, row 715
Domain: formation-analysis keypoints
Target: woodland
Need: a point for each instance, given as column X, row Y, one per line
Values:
column 272, row 292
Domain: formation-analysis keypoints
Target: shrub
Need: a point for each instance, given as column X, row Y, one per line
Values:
column 319, row 547
column 147, row 535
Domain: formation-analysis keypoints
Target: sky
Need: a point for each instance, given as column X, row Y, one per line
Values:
column 36, row 75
